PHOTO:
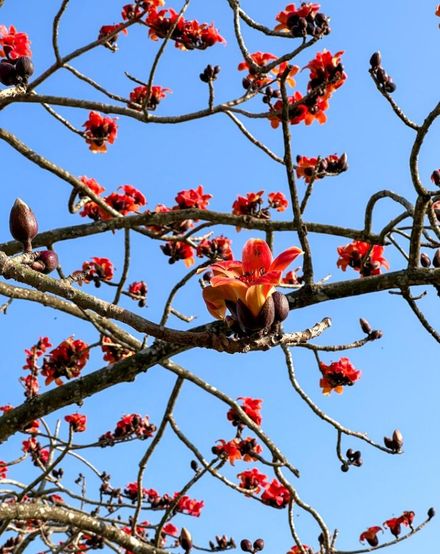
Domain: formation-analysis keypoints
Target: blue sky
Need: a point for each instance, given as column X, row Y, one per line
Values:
column 400, row 373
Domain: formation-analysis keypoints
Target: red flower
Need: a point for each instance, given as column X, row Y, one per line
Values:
column 177, row 250
column 296, row 549
column 251, row 281
column 91, row 184
column 237, row 449
column 40, row 456
column 66, row 360
column 113, row 30
column 250, row 205
column 254, row 80
column 7, row 408
column 189, row 506
column 297, row 112
column 139, row 94
column 370, row 535
column 251, row 407
column 337, row 375
column 132, row 11
column 288, row 19
column 193, row 198
column 131, row 490
column 357, row 255
column 326, row 70
column 98, row 269
column 14, row 45
column 276, row 495
column 129, row 426
column 100, row 130
column 278, row 201
column 290, row 279
column 35, row 352
column 138, row 291
column 114, row 352
column 170, row 529
column 3, row 470
column 31, row 386
column 77, row 422
column 252, row 480
column 395, row 524
column 218, row 248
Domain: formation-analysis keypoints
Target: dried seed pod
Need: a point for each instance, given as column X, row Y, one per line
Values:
column 23, row 224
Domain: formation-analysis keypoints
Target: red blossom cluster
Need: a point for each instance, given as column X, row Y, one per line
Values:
column 141, row 532
column 251, row 407
column 139, row 95
column 311, row 169
column 77, row 422
column 237, row 449
column 252, row 204
column 133, row 11
column 66, row 360
column 125, row 202
column 363, row 257
column 39, row 455
column 337, row 375
column 256, row 80
column 30, row 382
column 296, row 549
column 304, row 20
column 138, row 291
column 192, row 199
column 97, row 270
column 112, row 32
column 100, row 130
column 394, row 525
column 128, row 427
column 3, row 470
column 218, row 248
column 252, row 480
column 187, row 35
column 14, row 45
column 276, row 495
column 114, row 351
column 178, row 250
column 185, row 504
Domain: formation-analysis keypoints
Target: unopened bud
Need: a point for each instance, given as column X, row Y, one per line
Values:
column 431, row 513
column 249, row 323
column 425, row 260
column 436, row 258
column 396, row 442
column 194, row 465
column 281, row 305
column 185, row 540
column 365, row 326
column 46, row 261
column 398, row 438
column 376, row 60
column 345, row 468
column 389, row 85
column 8, row 74
column 246, row 545
column 258, row 545
column 435, row 177
column 24, row 67
column 343, row 162
column 375, row 335
column 23, row 224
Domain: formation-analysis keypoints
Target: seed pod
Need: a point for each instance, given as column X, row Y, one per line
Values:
column 376, row 60
column 24, row 67
column 425, row 260
column 46, row 261
column 23, row 224
column 8, row 74
column 185, row 540
column 365, row 326
column 194, row 465
column 281, row 305
column 258, row 545
column 343, row 163
column 246, row 545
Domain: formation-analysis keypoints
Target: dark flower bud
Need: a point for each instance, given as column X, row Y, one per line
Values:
column 343, row 162
column 8, row 74
column 425, row 260
column 281, row 305
column 376, row 60
column 396, row 442
column 24, row 67
column 375, row 335
column 435, row 177
column 389, row 86
column 185, row 540
column 258, row 545
column 381, row 75
column 246, row 545
column 46, row 261
column 349, row 454
column 23, row 224
column 436, row 258
column 373, row 541
column 365, row 326
column 194, row 465
column 358, row 462
column 431, row 513
column 398, row 438
column 246, row 83
column 345, row 468
column 249, row 323
column 321, row 539
column 357, row 455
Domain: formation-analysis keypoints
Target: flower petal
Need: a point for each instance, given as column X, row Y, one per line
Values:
column 257, row 256
column 285, row 258
column 256, row 296
column 215, row 297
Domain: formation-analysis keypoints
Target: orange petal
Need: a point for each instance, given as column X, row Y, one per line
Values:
column 215, row 297
column 285, row 258
column 256, row 296
column 256, row 256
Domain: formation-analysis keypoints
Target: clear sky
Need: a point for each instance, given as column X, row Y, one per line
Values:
column 400, row 376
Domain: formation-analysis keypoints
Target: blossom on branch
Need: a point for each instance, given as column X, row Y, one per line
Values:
column 133, row 11
column 66, row 360
column 370, row 535
column 276, row 495
column 138, row 291
column 139, row 95
column 112, row 31
column 100, row 129
column 114, row 351
column 218, row 248
column 193, row 198
column 97, row 270
column 304, row 20
column 251, row 407
column 77, row 422
column 252, row 480
column 362, row 257
column 177, row 250
column 14, row 45
column 255, row 80
column 337, row 375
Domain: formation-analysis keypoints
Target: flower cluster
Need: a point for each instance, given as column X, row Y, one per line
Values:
column 296, row 549
column 337, row 375
column 97, row 270
column 252, row 204
column 133, row 11
column 30, row 382
column 3, row 470
column 39, row 455
column 251, row 407
column 218, row 248
column 363, row 257
column 128, row 427
column 178, row 250
column 168, row 530
column 237, row 449
column 185, row 504
column 380, row 76
column 138, row 291
column 113, row 351
column 129, row 200
column 187, row 35
column 100, row 130
column 311, row 169
column 77, row 422
column 192, row 198
column 256, row 79
column 304, row 20
column 276, row 495
column 112, row 32
column 394, row 525
column 326, row 75
column 252, row 480
column 17, row 66
column 139, row 95
column 247, row 288
column 66, row 360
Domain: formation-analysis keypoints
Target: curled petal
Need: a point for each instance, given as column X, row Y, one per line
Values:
column 285, row 258
column 257, row 256
column 215, row 297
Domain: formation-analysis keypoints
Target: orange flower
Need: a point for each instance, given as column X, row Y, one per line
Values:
column 258, row 80
column 337, row 375
column 357, row 255
column 251, row 281
column 100, row 129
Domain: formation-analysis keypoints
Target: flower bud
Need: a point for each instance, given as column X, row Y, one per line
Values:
column 431, row 513
column 281, row 305
column 258, row 545
column 185, row 540
column 365, row 326
column 45, row 262
column 389, row 85
column 375, row 335
column 398, row 438
column 343, row 163
column 24, row 67
column 246, row 545
column 250, row 323
column 425, row 260
column 395, row 443
column 376, row 60
column 435, row 177
column 23, row 224
column 194, row 465
column 345, row 468
column 8, row 74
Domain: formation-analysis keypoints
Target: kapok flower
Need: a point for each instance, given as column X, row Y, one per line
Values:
column 249, row 205
column 113, row 30
column 237, row 449
column 177, row 250
column 327, row 71
column 139, row 95
column 362, row 257
column 251, row 407
column 245, row 286
column 138, row 291
column 296, row 20
column 252, row 480
column 189, row 506
column 218, row 248
column 296, row 550
column 337, row 375
column 66, row 360
column 113, row 351
column 91, row 184
column 77, row 422
column 255, row 80
column 13, row 45
column 100, row 130
column 276, row 495
column 278, row 201
column 98, row 269
column 193, row 198
column 370, row 535
column 3, row 470
column 132, row 11
column 395, row 524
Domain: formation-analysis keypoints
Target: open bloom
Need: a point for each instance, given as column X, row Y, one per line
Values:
column 13, row 45
column 362, row 257
column 100, row 129
column 337, row 375
column 370, row 535
column 247, row 284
